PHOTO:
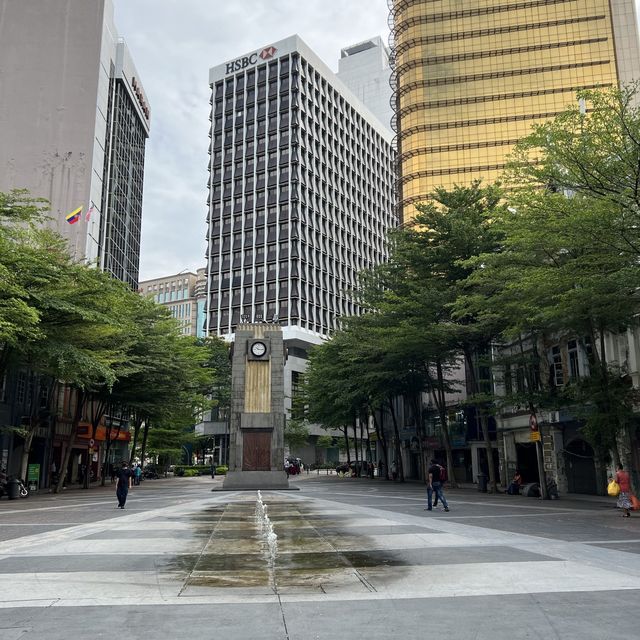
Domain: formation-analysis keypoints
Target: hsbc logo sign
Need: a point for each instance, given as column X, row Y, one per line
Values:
column 247, row 61
column 268, row 53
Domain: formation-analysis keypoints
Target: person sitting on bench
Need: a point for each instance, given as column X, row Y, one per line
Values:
column 514, row 487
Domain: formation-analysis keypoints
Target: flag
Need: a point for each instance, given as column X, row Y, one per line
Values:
column 74, row 216
column 89, row 212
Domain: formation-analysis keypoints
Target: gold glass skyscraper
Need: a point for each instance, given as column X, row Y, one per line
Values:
column 471, row 77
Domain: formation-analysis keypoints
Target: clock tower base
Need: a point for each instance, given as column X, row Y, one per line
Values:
column 256, row 428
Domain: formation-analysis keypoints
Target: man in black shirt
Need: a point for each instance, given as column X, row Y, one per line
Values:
column 435, row 485
column 124, row 482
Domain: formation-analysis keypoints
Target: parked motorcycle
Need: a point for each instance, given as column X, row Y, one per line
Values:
column 23, row 492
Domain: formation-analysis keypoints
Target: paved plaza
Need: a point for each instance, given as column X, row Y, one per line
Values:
column 353, row 558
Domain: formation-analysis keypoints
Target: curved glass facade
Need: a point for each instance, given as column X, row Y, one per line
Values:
column 471, row 78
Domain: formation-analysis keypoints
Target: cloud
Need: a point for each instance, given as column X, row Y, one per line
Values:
column 173, row 44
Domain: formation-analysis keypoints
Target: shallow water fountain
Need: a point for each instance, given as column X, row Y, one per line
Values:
column 269, row 537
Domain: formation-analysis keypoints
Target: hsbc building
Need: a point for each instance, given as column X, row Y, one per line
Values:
column 300, row 194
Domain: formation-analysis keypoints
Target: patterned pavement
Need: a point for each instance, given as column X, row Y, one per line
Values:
column 333, row 548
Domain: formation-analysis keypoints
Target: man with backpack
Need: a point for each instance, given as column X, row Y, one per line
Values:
column 435, row 485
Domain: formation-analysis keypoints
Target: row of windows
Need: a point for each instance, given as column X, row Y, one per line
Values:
column 171, row 296
column 476, row 122
column 494, row 53
column 509, row 73
column 339, row 268
column 458, row 36
column 470, row 13
column 363, row 205
column 305, row 315
column 328, row 273
column 437, row 104
column 251, row 76
column 181, row 310
column 322, row 101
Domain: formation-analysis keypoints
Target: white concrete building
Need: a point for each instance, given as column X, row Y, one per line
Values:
column 300, row 200
column 364, row 68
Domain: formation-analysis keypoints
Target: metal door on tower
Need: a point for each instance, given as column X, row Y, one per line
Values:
column 256, row 451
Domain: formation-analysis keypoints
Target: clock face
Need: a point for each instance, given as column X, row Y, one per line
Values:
column 258, row 349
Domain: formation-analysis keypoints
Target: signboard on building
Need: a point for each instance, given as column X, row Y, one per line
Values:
column 534, row 431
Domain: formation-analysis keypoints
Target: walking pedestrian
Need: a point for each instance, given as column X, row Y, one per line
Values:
column 213, row 470
column 394, row 470
column 435, row 486
column 137, row 475
column 124, row 484
column 624, row 497
column 443, row 479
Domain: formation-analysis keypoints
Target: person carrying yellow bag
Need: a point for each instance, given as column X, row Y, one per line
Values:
column 624, row 484
column 613, row 488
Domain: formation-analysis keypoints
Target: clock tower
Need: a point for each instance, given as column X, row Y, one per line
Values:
column 256, row 444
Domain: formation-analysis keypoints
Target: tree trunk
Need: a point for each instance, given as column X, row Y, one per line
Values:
column 542, row 476
column 97, row 411
column 108, row 443
column 145, row 434
column 24, row 463
column 137, row 422
column 355, row 444
column 382, row 440
column 441, row 403
column 397, row 436
column 77, row 416
column 33, row 424
column 417, row 400
column 484, row 419
column 345, row 432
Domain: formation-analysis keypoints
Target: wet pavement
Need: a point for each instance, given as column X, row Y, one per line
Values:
column 353, row 557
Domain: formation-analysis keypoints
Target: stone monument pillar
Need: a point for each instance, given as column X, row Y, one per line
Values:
column 256, row 445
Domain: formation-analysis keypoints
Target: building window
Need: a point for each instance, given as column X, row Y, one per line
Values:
column 21, row 387
column 556, row 367
column 574, row 366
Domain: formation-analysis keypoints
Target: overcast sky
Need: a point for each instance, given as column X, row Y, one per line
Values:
column 173, row 44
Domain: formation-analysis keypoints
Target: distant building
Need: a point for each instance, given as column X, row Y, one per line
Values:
column 364, row 68
column 185, row 295
column 74, row 120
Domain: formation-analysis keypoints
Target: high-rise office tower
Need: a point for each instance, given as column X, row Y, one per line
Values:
column 364, row 68
column 73, row 125
column 301, row 190
column 471, row 78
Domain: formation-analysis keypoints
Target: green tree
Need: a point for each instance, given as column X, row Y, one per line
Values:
column 568, row 261
column 31, row 260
